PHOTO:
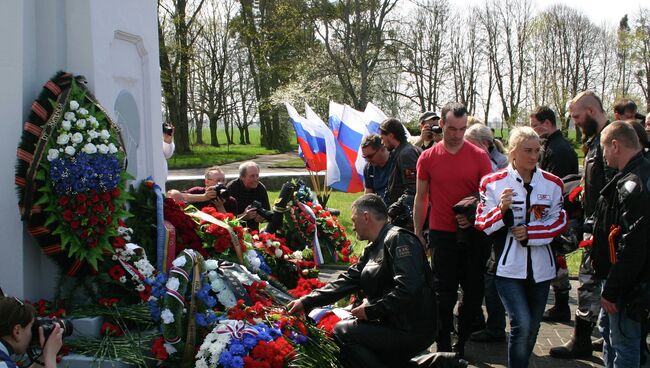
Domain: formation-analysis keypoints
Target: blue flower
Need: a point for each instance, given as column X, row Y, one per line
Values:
column 237, row 348
column 249, row 341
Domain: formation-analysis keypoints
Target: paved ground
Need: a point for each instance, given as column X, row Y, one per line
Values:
column 231, row 169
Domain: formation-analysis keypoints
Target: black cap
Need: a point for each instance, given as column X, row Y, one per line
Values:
column 428, row 116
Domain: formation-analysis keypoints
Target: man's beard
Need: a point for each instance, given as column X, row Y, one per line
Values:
column 590, row 126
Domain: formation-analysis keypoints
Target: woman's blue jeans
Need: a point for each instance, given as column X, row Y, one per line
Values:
column 524, row 301
column 622, row 338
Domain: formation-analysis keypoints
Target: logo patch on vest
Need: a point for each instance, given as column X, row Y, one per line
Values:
column 403, row 251
column 409, row 174
column 543, row 197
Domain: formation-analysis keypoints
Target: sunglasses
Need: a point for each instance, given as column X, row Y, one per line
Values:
column 370, row 156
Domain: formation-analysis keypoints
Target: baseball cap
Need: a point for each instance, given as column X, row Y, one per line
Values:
column 427, row 116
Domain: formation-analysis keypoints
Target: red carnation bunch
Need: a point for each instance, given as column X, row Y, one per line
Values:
column 271, row 354
column 109, row 329
column 186, row 228
column 305, row 286
column 158, row 349
column 89, row 215
column 219, row 237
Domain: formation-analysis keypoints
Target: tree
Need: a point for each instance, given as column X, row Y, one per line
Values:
column 641, row 53
column 466, row 63
column 176, row 35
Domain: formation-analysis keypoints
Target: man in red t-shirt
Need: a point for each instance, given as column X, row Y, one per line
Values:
column 447, row 173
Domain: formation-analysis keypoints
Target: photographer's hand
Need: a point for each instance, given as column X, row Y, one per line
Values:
column 463, row 222
column 249, row 213
column 52, row 346
column 210, row 193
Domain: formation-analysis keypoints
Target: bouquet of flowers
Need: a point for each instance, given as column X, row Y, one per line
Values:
column 218, row 240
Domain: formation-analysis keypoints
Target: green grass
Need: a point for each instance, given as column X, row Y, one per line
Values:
column 573, row 262
column 291, row 163
column 205, row 155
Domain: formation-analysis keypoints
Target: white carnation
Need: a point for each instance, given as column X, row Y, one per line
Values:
column 211, row 264
column 81, row 123
column 66, row 125
column 145, row 268
column 63, row 139
column 167, row 316
column 74, row 105
column 173, row 283
column 297, row 254
column 123, row 279
column 278, row 252
column 201, row 363
column 77, row 138
column 104, row 134
column 70, row 116
column 83, row 111
column 93, row 134
column 102, row 148
column 89, row 148
column 179, row 262
column 52, row 154
column 139, row 288
column 69, row 150
column 112, row 148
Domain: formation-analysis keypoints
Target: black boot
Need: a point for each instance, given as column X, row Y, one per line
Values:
column 286, row 194
column 560, row 312
column 580, row 344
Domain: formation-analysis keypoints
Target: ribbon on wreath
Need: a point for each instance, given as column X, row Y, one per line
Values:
column 318, row 255
column 162, row 236
column 190, row 339
column 233, row 237
column 235, row 328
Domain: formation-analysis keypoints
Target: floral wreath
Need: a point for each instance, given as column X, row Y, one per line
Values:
column 71, row 175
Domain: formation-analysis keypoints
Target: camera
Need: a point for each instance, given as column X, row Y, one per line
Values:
column 168, row 128
column 222, row 191
column 257, row 205
column 48, row 325
column 436, row 129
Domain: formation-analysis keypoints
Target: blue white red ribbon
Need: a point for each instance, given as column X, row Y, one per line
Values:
column 318, row 255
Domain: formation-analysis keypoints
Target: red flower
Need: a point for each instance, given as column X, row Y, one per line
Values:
column 158, row 349
column 109, row 329
column 84, row 234
column 107, row 302
column 81, row 198
column 145, row 294
column 75, row 224
column 116, row 272
column 68, row 215
column 109, row 220
column 92, row 242
column 93, row 220
column 63, row 201
column 116, row 193
column 149, row 184
column 106, row 197
column 118, row 242
column 95, row 198
column 81, row 210
column 99, row 208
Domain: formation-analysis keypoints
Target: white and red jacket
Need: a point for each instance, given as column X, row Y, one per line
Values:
column 540, row 209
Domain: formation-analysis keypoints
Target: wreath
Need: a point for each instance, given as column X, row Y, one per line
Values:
column 70, row 175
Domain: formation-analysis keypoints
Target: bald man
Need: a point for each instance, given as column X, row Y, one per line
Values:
column 587, row 112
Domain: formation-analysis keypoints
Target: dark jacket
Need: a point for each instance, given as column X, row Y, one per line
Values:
column 403, row 178
column 624, row 202
column 596, row 175
column 395, row 277
column 558, row 157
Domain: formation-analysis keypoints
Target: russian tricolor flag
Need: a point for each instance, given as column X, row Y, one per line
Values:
column 311, row 143
column 333, row 174
column 351, row 130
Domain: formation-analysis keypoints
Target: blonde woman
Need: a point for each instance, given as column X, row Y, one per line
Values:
column 521, row 208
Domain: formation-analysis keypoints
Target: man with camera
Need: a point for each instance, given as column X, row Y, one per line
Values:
column 21, row 333
column 252, row 199
column 430, row 130
column 621, row 246
column 214, row 193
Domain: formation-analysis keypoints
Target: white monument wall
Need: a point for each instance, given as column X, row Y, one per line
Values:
column 114, row 43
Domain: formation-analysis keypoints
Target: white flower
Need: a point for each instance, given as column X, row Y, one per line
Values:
column 93, row 120
column 218, row 285
column 66, row 125
column 278, row 252
column 83, row 111
column 167, row 316
column 211, row 264
column 63, row 139
column 52, row 154
column 212, row 275
column 93, row 134
column 112, row 148
column 201, row 364
column 145, row 268
column 77, row 138
column 81, row 123
column 74, row 105
column 69, row 150
column 70, row 116
column 179, row 262
column 170, row 348
column 173, row 283
column 123, row 279
column 139, row 288
column 102, row 148
column 297, row 254
column 89, row 148
column 104, row 134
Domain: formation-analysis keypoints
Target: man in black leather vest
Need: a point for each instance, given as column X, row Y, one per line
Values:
column 393, row 314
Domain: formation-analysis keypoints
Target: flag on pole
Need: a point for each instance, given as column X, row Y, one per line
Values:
column 333, row 174
column 335, row 117
column 311, row 141
column 351, row 130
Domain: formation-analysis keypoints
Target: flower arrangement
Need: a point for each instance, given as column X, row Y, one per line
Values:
column 85, row 178
column 187, row 236
column 217, row 239
column 305, row 286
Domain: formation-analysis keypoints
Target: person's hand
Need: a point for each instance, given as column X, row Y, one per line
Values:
column 506, row 199
column 210, row 193
column 608, row 306
column 423, row 241
column 520, row 232
column 426, row 133
column 463, row 222
column 52, row 346
column 360, row 311
column 259, row 218
column 249, row 213
column 296, row 307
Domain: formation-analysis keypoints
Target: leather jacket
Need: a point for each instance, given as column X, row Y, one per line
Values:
column 395, row 277
column 624, row 202
column 596, row 174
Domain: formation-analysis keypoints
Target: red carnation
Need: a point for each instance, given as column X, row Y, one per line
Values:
column 63, row 201
column 149, row 184
column 84, row 234
column 109, row 329
column 99, row 208
column 108, row 220
column 81, row 198
column 145, row 294
column 95, row 198
column 75, row 224
column 106, row 197
column 81, row 210
column 108, row 301
column 116, row 193
column 116, row 272
column 158, row 349
column 68, row 215
column 118, row 243
column 93, row 220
